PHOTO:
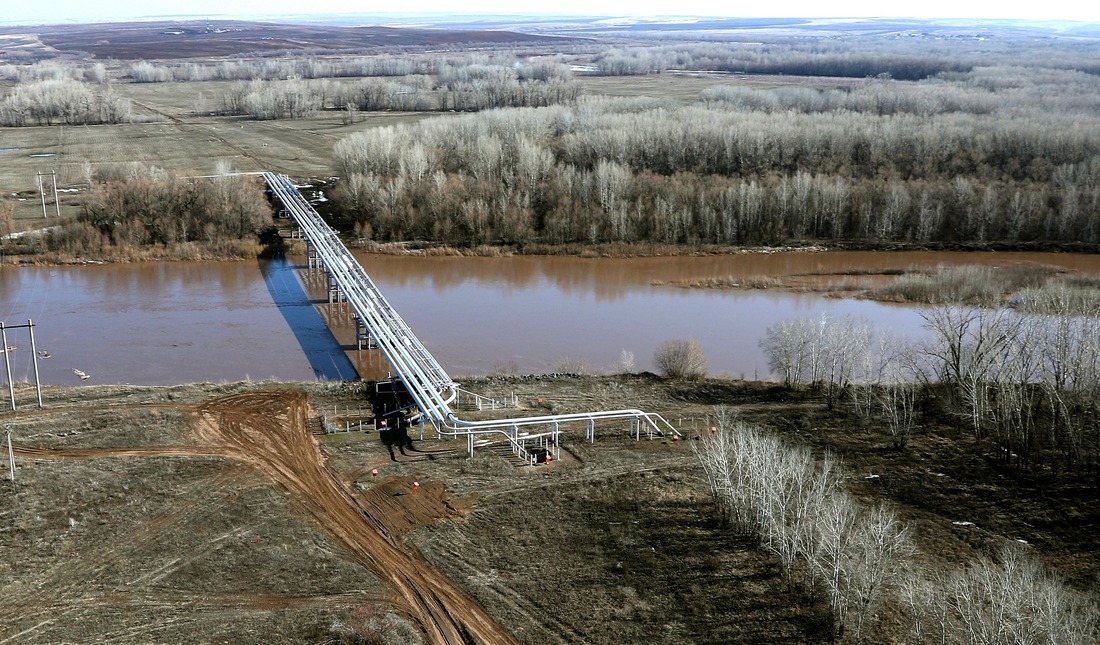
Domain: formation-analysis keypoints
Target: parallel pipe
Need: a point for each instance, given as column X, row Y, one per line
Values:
column 431, row 388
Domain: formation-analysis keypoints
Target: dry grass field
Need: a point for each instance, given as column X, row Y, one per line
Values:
column 131, row 522
column 163, row 515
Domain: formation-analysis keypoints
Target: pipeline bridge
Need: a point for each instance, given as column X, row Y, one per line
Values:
column 431, row 389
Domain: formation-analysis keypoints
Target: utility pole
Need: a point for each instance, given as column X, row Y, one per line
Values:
column 7, row 359
column 34, row 359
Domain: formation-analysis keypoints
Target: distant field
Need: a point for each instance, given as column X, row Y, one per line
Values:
column 188, row 39
column 182, row 143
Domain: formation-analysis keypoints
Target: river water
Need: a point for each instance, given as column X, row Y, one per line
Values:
column 177, row 322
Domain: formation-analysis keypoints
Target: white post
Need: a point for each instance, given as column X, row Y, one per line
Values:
column 34, row 358
column 11, row 456
column 7, row 362
column 56, row 204
column 42, row 194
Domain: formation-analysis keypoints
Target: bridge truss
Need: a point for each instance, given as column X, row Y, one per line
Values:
column 429, row 385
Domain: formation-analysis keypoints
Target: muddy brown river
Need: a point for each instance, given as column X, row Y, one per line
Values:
column 170, row 323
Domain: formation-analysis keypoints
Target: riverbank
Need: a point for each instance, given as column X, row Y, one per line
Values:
column 18, row 254
column 645, row 249
column 185, row 252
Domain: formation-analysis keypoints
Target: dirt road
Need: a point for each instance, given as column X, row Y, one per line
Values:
column 269, row 431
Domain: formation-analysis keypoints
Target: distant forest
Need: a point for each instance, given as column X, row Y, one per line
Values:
column 967, row 154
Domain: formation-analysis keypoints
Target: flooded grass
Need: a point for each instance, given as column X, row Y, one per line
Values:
column 1030, row 286
column 969, row 284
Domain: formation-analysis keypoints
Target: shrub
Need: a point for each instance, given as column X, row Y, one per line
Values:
column 681, row 359
column 574, row 365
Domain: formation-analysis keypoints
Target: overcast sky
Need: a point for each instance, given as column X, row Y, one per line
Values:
column 57, row 11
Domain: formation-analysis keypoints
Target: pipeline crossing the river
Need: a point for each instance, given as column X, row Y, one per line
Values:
column 428, row 384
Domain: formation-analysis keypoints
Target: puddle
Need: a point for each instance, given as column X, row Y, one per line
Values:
column 3, row 150
column 44, row 154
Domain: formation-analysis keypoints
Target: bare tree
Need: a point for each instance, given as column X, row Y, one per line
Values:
column 835, row 523
column 574, row 365
column 817, row 350
column 880, row 550
column 716, row 455
column 625, row 364
column 965, row 346
column 894, row 384
column 351, row 113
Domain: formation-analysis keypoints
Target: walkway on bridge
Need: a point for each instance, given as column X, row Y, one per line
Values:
column 429, row 385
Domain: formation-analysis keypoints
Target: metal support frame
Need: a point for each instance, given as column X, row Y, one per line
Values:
column 431, row 388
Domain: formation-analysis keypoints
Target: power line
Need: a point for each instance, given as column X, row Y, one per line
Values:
column 8, row 349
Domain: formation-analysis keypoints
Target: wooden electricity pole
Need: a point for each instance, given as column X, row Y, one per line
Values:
column 42, row 194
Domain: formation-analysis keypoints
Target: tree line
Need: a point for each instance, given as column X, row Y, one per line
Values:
column 912, row 59
column 63, row 101
column 225, row 214
column 466, row 89
column 92, row 72
column 862, row 558
column 306, row 67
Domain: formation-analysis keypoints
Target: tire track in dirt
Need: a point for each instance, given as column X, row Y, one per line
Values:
column 61, row 592
column 100, row 405
column 97, row 453
column 551, row 628
column 269, row 431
